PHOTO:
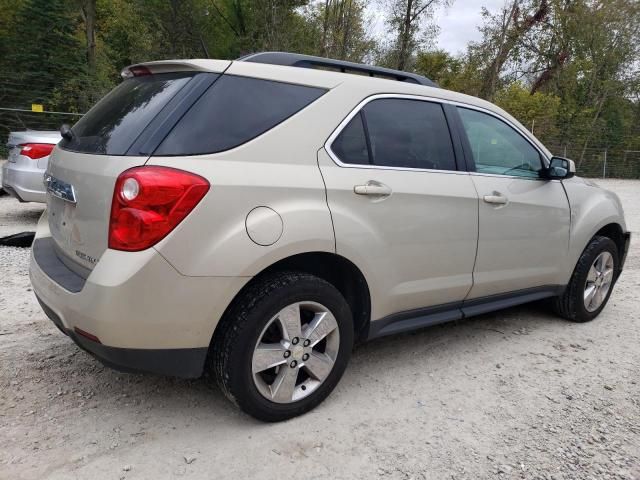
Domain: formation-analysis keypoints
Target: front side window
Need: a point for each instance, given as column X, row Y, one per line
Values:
column 395, row 132
column 497, row 148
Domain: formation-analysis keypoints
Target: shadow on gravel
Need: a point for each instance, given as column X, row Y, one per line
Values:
column 22, row 240
column 198, row 401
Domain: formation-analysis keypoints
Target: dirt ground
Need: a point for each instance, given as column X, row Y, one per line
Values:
column 515, row 394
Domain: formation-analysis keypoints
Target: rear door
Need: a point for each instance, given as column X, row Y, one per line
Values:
column 524, row 219
column 400, row 206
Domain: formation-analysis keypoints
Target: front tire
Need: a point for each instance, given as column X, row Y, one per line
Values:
column 591, row 283
column 283, row 345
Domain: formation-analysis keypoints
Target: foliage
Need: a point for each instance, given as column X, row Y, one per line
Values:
column 567, row 69
column 43, row 51
column 538, row 111
column 339, row 29
column 409, row 23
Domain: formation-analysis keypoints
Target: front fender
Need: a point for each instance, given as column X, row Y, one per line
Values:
column 592, row 208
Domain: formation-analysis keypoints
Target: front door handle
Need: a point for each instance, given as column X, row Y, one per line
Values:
column 497, row 199
column 373, row 188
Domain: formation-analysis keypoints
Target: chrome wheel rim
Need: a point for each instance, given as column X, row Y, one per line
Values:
column 295, row 352
column 598, row 281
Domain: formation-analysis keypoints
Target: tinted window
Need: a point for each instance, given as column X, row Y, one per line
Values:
column 113, row 124
column 497, row 148
column 233, row 111
column 409, row 133
column 402, row 133
column 351, row 145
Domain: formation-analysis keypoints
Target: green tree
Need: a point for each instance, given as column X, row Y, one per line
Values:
column 339, row 29
column 503, row 35
column 409, row 22
column 441, row 67
column 538, row 112
column 44, row 51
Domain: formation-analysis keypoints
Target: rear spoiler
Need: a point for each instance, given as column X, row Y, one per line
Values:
column 169, row 66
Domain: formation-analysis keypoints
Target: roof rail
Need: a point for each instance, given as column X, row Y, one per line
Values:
column 308, row 61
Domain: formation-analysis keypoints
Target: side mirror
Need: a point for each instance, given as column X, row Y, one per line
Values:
column 560, row 168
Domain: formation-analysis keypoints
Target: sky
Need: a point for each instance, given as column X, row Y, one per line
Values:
column 458, row 23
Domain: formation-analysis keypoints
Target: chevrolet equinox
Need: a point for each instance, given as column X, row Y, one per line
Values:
column 253, row 219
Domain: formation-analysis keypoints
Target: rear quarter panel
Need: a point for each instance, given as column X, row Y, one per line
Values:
column 278, row 170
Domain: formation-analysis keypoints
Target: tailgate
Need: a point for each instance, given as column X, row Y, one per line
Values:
column 79, row 203
column 85, row 165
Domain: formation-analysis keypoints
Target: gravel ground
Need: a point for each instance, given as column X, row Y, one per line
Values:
column 515, row 394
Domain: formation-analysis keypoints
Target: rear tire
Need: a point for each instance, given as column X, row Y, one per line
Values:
column 271, row 368
column 588, row 291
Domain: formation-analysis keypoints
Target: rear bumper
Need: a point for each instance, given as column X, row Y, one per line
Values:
column 25, row 185
column 176, row 362
column 146, row 315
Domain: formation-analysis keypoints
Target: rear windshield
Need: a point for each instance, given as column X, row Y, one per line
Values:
column 233, row 111
column 114, row 123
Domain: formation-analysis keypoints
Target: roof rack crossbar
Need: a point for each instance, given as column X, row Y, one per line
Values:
column 309, row 61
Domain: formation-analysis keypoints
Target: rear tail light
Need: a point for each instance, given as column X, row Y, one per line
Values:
column 36, row 150
column 149, row 202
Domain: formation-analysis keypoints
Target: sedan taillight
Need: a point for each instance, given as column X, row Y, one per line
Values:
column 36, row 150
column 149, row 202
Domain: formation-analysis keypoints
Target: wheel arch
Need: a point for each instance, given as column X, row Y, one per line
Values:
column 343, row 274
column 614, row 232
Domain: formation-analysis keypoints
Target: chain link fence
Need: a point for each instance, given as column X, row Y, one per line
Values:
column 593, row 162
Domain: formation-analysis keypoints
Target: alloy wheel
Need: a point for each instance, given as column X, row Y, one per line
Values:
column 598, row 283
column 295, row 352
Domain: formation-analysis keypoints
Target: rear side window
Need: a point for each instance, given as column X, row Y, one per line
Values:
column 233, row 111
column 351, row 145
column 113, row 124
column 401, row 133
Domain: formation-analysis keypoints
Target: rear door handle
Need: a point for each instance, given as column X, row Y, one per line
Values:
column 373, row 188
column 497, row 199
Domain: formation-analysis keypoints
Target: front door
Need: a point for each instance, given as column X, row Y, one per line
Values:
column 524, row 220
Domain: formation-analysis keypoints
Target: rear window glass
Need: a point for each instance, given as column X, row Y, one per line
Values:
column 409, row 134
column 351, row 144
column 114, row 123
column 400, row 133
column 233, row 111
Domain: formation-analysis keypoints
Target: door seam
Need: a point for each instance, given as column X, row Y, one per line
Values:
column 326, row 200
column 475, row 259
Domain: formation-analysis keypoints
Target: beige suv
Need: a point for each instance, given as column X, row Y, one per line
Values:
column 254, row 219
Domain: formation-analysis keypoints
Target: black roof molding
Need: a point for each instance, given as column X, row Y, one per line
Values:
column 309, row 61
